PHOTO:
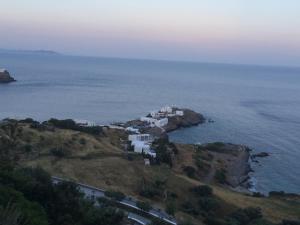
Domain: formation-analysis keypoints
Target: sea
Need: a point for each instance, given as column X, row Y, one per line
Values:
column 258, row 106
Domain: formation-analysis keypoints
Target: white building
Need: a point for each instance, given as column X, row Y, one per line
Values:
column 140, row 137
column 155, row 122
column 162, row 122
column 154, row 114
column 133, row 130
column 179, row 113
column 166, row 109
column 148, row 119
column 140, row 147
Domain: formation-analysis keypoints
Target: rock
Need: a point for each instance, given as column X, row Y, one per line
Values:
column 5, row 77
column 260, row 155
column 189, row 119
column 210, row 121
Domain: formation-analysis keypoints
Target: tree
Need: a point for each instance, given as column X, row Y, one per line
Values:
column 145, row 206
column 171, row 207
column 220, row 176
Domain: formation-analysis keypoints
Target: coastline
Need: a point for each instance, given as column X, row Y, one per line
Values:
column 237, row 159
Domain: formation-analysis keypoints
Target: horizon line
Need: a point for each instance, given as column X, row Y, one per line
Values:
column 54, row 52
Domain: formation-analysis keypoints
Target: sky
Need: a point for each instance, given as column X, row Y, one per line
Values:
column 229, row 31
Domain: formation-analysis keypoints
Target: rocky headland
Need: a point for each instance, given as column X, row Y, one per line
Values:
column 5, row 77
column 176, row 118
column 190, row 118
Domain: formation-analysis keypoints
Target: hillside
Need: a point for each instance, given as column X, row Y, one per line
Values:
column 99, row 160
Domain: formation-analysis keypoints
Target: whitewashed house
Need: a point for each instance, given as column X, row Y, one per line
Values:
column 140, row 147
column 132, row 130
column 162, row 122
column 154, row 114
column 179, row 113
column 140, row 137
column 149, row 120
column 155, row 122
column 166, row 109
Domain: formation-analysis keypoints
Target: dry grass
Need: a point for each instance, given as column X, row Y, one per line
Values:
column 101, row 162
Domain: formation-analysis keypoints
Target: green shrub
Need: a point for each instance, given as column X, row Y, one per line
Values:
column 208, row 204
column 82, row 141
column 202, row 191
column 189, row 208
column 28, row 148
column 189, row 171
column 214, row 146
column 116, row 195
column 220, row 176
column 59, row 152
column 171, row 207
column 151, row 190
column 290, row 222
column 72, row 125
column 245, row 216
column 145, row 206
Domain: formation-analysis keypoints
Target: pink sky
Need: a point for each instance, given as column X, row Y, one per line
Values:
column 234, row 31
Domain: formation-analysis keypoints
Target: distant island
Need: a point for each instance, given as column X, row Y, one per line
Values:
column 41, row 51
column 5, row 77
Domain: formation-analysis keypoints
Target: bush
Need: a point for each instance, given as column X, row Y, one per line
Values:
column 103, row 216
column 29, row 121
column 72, row 125
column 258, row 195
column 189, row 171
column 164, row 151
column 202, row 191
column 276, row 193
column 220, row 176
column 247, row 215
column 290, row 222
column 208, row 204
column 189, row 208
column 82, row 141
column 15, row 207
column 200, row 163
column 116, row 195
column 59, row 152
column 150, row 190
column 145, row 206
column 214, row 146
column 28, row 148
column 253, row 213
column 215, row 221
column 171, row 207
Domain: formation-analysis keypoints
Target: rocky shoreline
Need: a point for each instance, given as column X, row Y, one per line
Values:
column 5, row 76
column 230, row 159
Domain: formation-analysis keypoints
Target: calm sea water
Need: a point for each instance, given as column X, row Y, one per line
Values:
column 252, row 105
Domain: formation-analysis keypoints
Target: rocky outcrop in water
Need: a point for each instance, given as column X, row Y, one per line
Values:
column 189, row 119
column 5, row 77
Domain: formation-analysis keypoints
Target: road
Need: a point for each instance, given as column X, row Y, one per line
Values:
column 93, row 192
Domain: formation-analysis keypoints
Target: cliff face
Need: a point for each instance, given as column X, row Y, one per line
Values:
column 5, row 77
